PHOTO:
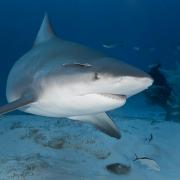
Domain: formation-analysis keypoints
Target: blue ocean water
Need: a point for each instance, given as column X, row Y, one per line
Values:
column 153, row 26
column 139, row 32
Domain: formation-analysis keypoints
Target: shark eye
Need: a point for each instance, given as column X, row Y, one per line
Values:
column 96, row 76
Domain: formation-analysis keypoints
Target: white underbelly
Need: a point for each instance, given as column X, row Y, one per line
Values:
column 65, row 106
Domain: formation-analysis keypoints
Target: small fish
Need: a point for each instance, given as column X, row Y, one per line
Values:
column 150, row 66
column 136, row 48
column 148, row 162
column 109, row 46
column 149, row 139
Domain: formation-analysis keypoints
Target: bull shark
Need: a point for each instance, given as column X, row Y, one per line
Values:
column 59, row 78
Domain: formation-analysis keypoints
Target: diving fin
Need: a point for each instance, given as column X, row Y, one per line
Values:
column 102, row 122
column 12, row 106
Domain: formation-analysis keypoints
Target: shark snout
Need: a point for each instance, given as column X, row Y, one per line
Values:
column 124, row 79
column 145, row 82
column 135, row 78
column 130, row 85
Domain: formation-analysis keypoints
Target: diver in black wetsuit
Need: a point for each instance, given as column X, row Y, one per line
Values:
column 160, row 91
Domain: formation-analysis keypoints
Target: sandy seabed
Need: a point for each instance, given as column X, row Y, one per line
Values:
column 39, row 148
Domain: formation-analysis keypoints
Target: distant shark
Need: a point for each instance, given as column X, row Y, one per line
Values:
column 58, row 78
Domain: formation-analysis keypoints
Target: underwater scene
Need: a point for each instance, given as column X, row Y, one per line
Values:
column 90, row 90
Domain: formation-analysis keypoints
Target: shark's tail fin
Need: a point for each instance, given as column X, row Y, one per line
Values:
column 12, row 106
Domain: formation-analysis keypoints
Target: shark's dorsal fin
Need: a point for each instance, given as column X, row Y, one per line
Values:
column 45, row 32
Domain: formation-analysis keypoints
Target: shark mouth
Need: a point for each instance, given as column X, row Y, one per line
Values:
column 113, row 96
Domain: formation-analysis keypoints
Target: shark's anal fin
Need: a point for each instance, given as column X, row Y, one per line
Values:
column 16, row 104
column 102, row 122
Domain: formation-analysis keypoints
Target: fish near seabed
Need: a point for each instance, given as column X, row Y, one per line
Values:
column 151, row 164
column 59, row 78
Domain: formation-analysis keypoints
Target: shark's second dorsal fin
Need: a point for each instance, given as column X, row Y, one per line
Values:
column 45, row 32
column 12, row 106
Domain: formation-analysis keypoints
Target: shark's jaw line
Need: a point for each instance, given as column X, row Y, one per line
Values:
column 63, row 106
column 113, row 96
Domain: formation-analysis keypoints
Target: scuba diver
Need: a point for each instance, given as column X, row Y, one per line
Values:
column 159, row 93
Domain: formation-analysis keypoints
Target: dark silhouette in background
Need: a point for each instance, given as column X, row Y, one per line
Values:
column 159, row 93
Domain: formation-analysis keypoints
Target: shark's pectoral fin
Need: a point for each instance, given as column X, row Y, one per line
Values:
column 12, row 106
column 102, row 122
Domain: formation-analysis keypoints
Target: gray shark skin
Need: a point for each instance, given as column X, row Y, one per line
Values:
column 58, row 78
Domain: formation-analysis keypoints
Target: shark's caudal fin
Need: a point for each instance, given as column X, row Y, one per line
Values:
column 16, row 104
column 45, row 32
column 102, row 122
